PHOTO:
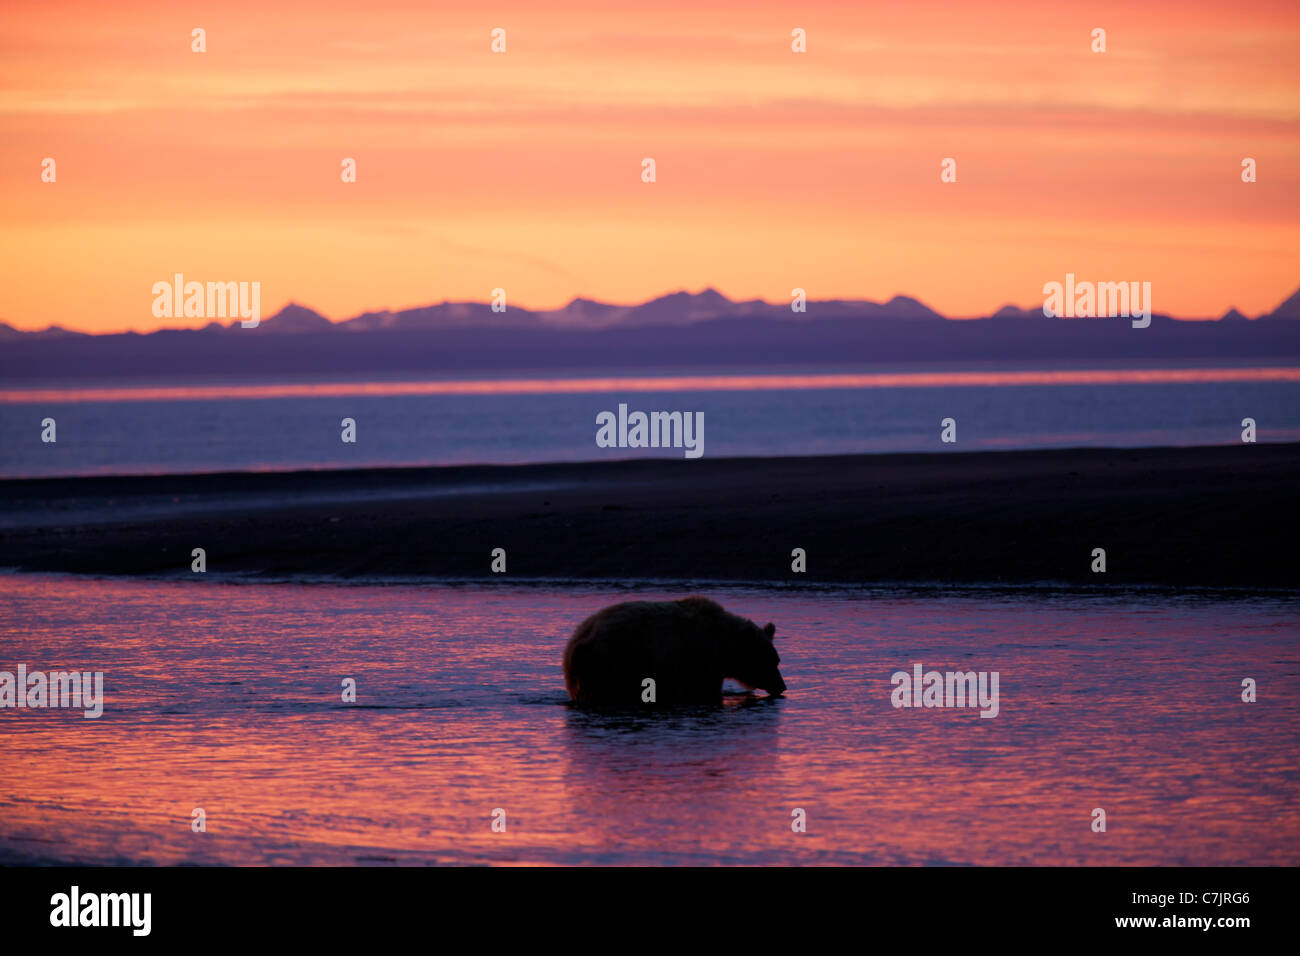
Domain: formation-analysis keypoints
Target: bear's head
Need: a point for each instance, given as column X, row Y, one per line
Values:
column 754, row 659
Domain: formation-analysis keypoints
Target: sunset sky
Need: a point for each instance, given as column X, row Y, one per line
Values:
column 522, row 170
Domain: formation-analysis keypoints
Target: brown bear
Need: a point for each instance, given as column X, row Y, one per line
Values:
column 686, row 647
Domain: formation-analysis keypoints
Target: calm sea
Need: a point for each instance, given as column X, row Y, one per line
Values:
column 220, row 427
column 226, row 697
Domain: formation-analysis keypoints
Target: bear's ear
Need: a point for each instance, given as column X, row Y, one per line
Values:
column 769, row 629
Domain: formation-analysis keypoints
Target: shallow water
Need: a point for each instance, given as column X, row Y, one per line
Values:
column 227, row 697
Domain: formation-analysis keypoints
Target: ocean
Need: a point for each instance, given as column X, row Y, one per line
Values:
column 197, row 427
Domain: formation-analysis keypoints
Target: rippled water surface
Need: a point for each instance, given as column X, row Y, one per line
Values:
column 227, row 697
column 183, row 429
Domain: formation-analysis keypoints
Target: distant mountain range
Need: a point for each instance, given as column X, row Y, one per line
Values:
column 676, row 330
column 674, row 309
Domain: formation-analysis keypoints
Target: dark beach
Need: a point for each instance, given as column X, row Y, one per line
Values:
column 1208, row 516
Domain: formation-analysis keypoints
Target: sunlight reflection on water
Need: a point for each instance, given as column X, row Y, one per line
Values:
column 226, row 697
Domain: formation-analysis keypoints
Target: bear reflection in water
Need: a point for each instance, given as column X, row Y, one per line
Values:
column 647, row 653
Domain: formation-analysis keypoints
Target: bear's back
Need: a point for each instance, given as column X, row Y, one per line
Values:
column 673, row 642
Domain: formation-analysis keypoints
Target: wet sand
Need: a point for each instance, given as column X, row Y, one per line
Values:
column 1210, row 516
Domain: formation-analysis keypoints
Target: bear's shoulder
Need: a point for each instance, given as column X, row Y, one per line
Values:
column 695, row 604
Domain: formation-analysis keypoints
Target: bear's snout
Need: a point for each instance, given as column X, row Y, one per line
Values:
column 777, row 687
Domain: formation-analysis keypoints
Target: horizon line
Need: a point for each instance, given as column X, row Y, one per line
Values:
column 652, row 383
